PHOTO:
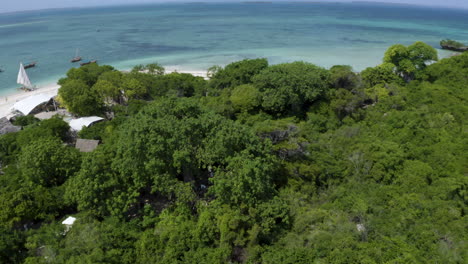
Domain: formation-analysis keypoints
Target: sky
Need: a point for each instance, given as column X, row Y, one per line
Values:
column 22, row 5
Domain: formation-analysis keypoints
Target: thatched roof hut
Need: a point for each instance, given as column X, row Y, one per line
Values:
column 7, row 127
column 86, row 145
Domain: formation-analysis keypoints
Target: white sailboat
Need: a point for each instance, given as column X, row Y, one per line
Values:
column 23, row 79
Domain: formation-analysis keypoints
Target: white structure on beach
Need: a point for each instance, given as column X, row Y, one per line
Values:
column 25, row 106
column 78, row 124
column 68, row 223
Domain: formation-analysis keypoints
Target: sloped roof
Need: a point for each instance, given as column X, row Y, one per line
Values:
column 78, row 124
column 47, row 115
column 7, row 127
column 25, row 106
column 69, row 221
column 86, row 145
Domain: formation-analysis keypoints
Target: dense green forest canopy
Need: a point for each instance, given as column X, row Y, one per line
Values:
column 288, row 163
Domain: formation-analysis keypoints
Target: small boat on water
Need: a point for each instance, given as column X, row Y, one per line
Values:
column 1, row 70
column 88, row 62
column 23, row 79
column 77, row 58
column 30, row 65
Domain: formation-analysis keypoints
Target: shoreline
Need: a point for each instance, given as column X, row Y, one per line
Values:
column 9, row 99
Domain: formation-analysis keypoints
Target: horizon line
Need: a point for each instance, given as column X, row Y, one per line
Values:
column 235, row 1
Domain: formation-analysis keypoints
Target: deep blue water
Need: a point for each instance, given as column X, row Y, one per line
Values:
column 197, row 36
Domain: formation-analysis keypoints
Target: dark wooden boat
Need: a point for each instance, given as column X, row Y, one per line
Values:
column 76, row 59
column 27, row 89
column 88, row 62
column 30, row 65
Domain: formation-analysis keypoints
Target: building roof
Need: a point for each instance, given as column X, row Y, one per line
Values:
column 360, row 227
column 25, row 106
column 7, row 127
column 60, row 112
column 86, row 145
column 69, row 221
column 78, row 124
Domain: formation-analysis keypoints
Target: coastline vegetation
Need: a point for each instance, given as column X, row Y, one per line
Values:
column 453, row 45
column 288, row 163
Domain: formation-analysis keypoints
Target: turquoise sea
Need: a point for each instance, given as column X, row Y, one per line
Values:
column 198, row 35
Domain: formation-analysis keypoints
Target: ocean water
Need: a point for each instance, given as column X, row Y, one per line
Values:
column 198, row 35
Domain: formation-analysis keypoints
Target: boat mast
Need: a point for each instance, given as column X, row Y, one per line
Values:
column 23, row 78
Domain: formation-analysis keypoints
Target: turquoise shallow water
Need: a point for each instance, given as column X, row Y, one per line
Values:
column 197, row 36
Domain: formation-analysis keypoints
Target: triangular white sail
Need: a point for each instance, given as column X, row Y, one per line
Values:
column 23, row 78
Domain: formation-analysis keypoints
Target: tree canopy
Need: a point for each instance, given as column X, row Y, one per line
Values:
column 410, row 60
column 288, row 163
column 291, row 86
column 237, row 73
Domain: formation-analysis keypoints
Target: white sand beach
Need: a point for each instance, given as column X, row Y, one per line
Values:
column 198, row 73
column 172, row 69
column 7, row 101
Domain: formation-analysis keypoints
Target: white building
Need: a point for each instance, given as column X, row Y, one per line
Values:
column 26, row 106
column 78, row 124
column 68, row 223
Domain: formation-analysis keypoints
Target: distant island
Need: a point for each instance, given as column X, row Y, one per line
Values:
column 449, row 44
column 257, row 2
